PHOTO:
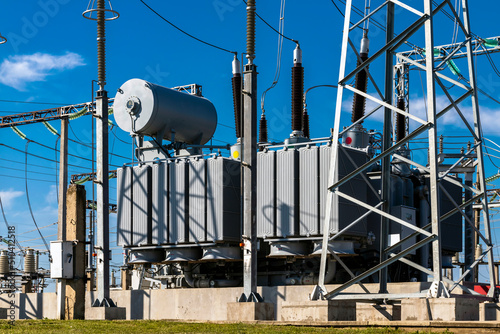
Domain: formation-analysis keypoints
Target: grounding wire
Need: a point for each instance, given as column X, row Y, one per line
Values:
column 184, row 32
column 281, row 28
column 274, row 29
column 28, row 197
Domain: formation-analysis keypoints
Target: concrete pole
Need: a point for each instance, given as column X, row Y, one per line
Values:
column 249, row 164
column 102, row 230
column 75, row 231
column 126, row 278
column 102, row 170
column 61, row 225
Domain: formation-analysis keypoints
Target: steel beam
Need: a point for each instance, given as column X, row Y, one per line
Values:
column 480, row 162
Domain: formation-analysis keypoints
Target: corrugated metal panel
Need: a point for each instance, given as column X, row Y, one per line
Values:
column 266, row 194
column 160, row 204
column 324, row 170
column 344, row 211
column 197, row 200
column 141, row 205
column 124, row 204
column 178, row 196
column 287, row 195
column 309, row 191
column 223, row 200
column 356, row 187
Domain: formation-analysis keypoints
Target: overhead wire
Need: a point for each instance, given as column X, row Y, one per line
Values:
column 28, row 197
column 32, row 102
column 279, row 52
column 274, row 29
column 184, row 32
column 46, row 226
column 8, row 226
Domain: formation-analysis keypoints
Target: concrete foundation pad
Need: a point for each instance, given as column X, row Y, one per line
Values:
column 319, row 310
column 375, row 312
column 249, row 311
column 440, row 309
column 105, row 313
column 489, row 312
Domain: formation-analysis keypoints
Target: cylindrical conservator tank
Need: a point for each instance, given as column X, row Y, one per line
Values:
column 145, row 108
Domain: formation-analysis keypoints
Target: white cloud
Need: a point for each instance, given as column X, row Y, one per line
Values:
column 17, row 71
column 8, row 196
column 51, row 197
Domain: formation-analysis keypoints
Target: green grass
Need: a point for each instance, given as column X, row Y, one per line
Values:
column 150, row 326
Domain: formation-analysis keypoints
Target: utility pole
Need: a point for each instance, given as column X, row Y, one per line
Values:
column 249, row 164
column 61, row 225
column 102, row 181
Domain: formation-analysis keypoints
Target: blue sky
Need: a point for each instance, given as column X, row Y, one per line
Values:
column 50, row 58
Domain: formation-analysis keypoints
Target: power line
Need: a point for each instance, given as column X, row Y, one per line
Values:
column 22, row 178
column 44, row 158
column 34, row 165
column 36, row 230
column 184, row 32
column 270, row 26
column 8, row 226
column 28, row 197
column 52, row 235
column 31, row 102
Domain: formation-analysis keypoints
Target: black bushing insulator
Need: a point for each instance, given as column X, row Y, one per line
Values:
column 236, row 83
column 305, row 124
column 263, row 131
column 400, row 121
column 361, row 83
column 297, row 96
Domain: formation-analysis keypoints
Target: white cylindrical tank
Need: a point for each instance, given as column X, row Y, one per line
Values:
column 148, row 109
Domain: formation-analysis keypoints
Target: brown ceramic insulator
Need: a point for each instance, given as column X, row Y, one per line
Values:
column 361, row 83
column 236, row 83
column 297, row 96
column 400, row 121
column 101, row 43
column 305, row 124
column 251, row 27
